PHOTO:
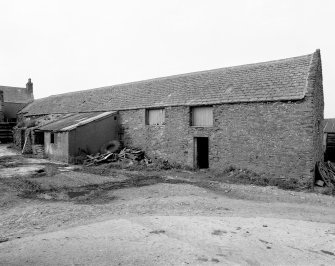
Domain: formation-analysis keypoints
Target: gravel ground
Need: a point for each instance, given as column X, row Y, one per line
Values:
column 124, row 197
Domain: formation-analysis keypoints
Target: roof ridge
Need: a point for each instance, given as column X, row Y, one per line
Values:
column 311, row 70
column 182, row 75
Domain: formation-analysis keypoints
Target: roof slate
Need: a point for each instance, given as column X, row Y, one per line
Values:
column 269, row 81
column 70, row 122
column 16, row 94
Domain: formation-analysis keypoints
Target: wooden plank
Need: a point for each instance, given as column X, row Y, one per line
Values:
column 156, row 116
column 202, row 116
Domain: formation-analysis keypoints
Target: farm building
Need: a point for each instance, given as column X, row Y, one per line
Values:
column 13, row 99
column 329, row 139
column 66, row 137
column 265, row 117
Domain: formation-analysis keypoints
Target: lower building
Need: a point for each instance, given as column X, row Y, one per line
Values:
column 76, row 134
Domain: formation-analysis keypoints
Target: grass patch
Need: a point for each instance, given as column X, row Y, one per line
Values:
column 230, row 174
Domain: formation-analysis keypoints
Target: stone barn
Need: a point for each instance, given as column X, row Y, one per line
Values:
column 265, row 117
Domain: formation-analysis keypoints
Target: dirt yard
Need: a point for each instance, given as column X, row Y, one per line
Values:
column 54, row 214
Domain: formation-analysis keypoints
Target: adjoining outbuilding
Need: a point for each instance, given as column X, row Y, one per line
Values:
column 329, row 139
column 75, row 134
column 265, row 117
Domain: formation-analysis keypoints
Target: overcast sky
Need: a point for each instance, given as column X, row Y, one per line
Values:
column 74, row 45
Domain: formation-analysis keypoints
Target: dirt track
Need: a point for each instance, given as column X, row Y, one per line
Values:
column 162, row 223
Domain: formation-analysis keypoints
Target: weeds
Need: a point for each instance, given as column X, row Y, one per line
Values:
column 232, row 174
column 131, row 165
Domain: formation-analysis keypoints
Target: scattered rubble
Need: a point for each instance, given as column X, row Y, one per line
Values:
column 132, row 154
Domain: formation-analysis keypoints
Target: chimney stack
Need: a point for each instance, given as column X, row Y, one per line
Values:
column 29, row 87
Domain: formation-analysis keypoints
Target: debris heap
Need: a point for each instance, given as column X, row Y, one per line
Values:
column 326, row 173
column 132, row 154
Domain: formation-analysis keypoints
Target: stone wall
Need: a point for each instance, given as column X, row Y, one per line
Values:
column 274, row 137
column 315, row 91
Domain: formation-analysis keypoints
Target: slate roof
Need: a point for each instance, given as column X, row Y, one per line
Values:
column 70, row 122
column 268, row 81
column 329, row 125
column 16, row 95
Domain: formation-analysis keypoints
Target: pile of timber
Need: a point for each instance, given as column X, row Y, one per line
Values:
column 125, row 154
column 327, row 174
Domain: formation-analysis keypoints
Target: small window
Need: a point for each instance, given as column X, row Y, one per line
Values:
column 202, row 116
column 52, row 138
column 155, row 116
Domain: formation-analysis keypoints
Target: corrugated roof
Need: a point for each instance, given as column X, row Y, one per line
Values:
column 329, row 125
column 16, row 95
column 269, row 81
column 71, row 122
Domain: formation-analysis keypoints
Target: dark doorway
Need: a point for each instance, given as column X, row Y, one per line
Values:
column 39, row 138
column 201, row 152
column 52, row 137
column 330, row 148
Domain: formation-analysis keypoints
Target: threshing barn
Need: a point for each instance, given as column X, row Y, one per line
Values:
column 266, row 117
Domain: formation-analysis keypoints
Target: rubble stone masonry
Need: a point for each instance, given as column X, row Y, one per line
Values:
column 282, row 138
